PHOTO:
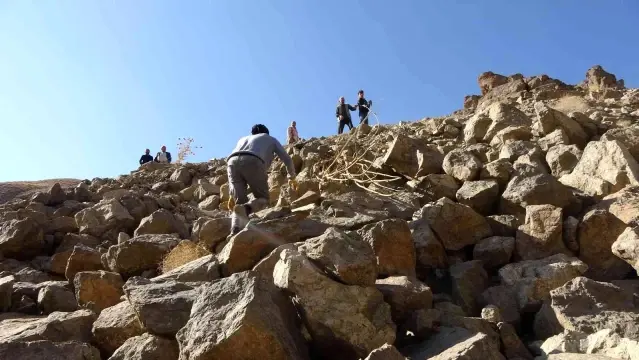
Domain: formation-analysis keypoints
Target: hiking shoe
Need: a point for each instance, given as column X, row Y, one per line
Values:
column 241, row 216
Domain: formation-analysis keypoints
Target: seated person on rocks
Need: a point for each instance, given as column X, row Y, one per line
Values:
column 146, row 157
column 248, row 165
column 163, row 157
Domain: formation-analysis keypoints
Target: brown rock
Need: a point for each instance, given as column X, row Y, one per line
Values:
column 562, row 159
column 21, row 239
column 65, row 249
column 204, row 269
column 392, row 243
column 481, row 195
column 542, row 233
column 499, row 170
column 139, row 254
column 469, row 280
column 429, row 251
column 461, row 165
column 503, row 225
column 494, row 251
column 504, row 297
column 570, row 228
column 162, row 222
column 210, row 203
column 211, row 232
column 244, row 250
column 549, row 119
column 404, row 295
column 49, row 350
column 489, row 80
column 114, row 326
column 6, row 289
column 98, row 290
column 83, row 258
column 147, row 346
column 58, row 327
column 627, row 136
column 534, row 190
column 626, row 247
column 512, row 345
column 105, row 216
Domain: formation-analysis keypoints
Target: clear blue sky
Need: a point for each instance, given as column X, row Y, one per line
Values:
column 87, row 85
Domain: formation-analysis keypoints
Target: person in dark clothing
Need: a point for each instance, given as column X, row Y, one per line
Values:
column 146, row 157
column 343, row 114
column 364, row 107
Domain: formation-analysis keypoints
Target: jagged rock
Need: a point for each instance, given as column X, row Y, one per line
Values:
column 603, row 342
column 56, row 195
column 49, row 350
column 429, row 251
column 481, row 195
column 503, row 225
column 349, row 260
column 470, row 226
column 605, row 167
column 206, row 268
column 484, row 125
column 421, row 324
column 588, row 306
column 182, row 175
column 461, row 165
column 628, row 137
column 114, row 326
column 365, row 319
column 504, row 297
column 404, row 295
column 6, row 289
column 511, row 133
column 56, row 297
column 210, row 203
column 238, row 311
column 439, row 185
column 98, row 290
column 61, row 224
column 456, row 344
column 511, row 151
column 598, row 79
column 570, row 229
column 392, row 244
column 469, row 280
column 293, row 228
column 211, row 232
column 499, row 170
column 511, row 344
column 569, row 356
column 60, row 259
column 626, row 247
column 104, row 216
column 534, row 190
column 530, row 164
column 244, row 250
column 408, row 156
column 549, row 119
column 489, row 80
column 562, row 159
column 147, row 346
column 555, row 138
column 309, row 197
column 162, row 222
column 494, row 251
column 386, row 352
column 542, row 233
column 58, row 326
column 83, row 258
column 162, row 308
column 21, row 239
column 122, row 237
column 598, row 231
column 533, row 279
column 624, row 205
column 139, row 254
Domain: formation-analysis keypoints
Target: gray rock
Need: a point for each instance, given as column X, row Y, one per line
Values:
column 147, row 346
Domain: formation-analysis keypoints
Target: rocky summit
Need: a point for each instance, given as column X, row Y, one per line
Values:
column 506, row 230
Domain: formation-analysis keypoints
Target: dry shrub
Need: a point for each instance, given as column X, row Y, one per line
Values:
column 185, row 252
column 185, row 149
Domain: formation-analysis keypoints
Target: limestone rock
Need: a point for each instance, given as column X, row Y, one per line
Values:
column 456, row 344
column 484, row 125
column 534, row 190
column 244, row 316
column 347, row 259
column 598, row 79
column 481, row 195
column 499, row 170
column 555, row 138
column 211, row 232
column 597, row 232
column 162, row 308
column 83, row 258
column 182, row 175
column 114, row 326
column 365, row 319
column 55, row 297
column 49, row 350
column 162, row 222
column 494, row 251
column 542, row 233
column 6, row 289
column 626, row 247
column 408, row 156
column 439, row 186
column 98, row 290
column 469, row 280
column 244, row 250
column 58, row 326
column 107, row 215
column 461, row 165
column 404, row 295
column 21, row 239
column 624, row 205
column 627, row 136
column 147, row 346
column 140, row 253
column 549, row 119
column 562, row 159
column 470, row 226
column 392, row 244
column 429, row 251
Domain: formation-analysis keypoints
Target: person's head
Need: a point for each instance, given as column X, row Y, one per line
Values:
column 259, row 129
column 147, row 151
column 163, row 148
column 293, row 124
column 341, row 100
column 360, row 93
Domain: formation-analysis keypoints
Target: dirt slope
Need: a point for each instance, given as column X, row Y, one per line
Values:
column 13, row 189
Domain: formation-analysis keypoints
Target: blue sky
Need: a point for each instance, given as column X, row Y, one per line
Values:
column 87, row 85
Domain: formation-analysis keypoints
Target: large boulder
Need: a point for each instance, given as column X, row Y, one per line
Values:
column 106, row 216
column 114, row 326
column 244, row 316
column 147, row 346
column 534, row 190
column 61, row 256
column 58, row 326
column 348, row 259
column 56, row 297
column 624, row 205
column 429, row 251
column 604, row 168
column 485, row 124
column 470, row 226
column 162, row 308
column 162, row 222
column 409, row 156
column 499, row 170
column 598, row 231
column 392, row 244
column 542, row 233
column 494, row 251
column 462, row 165
column 489, row 80
column 139, row 253
column 599, row 80
column 98, row 290
column 210, row 232
column 588, row 306
column 21, row 239
column 481, row 195
column 49, row 350
column 626, row 247
column 627, row 136
column 6, row 289
column 82, row 258
column 364, row 318
column 548, row 120
column 245, row 250
column 562, row 159
column 469, row 280
column 404, row 295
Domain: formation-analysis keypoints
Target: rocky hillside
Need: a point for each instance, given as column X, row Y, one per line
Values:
column 506, row 230
column 12, row 189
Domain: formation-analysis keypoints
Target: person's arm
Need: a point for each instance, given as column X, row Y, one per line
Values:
column 141, row 159
column 351, row 107
column 286, row 159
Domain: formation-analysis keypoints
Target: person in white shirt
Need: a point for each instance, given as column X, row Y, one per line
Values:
column 163, row 157
column 292, row 135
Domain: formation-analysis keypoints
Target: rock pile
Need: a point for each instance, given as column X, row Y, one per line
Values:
column 506, row 230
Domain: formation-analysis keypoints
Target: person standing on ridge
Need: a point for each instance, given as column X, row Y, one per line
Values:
column 163, row 157
column 343, row 114
column 292, row 136
column 364, row 107
column 248, row 165
column 146, row 157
